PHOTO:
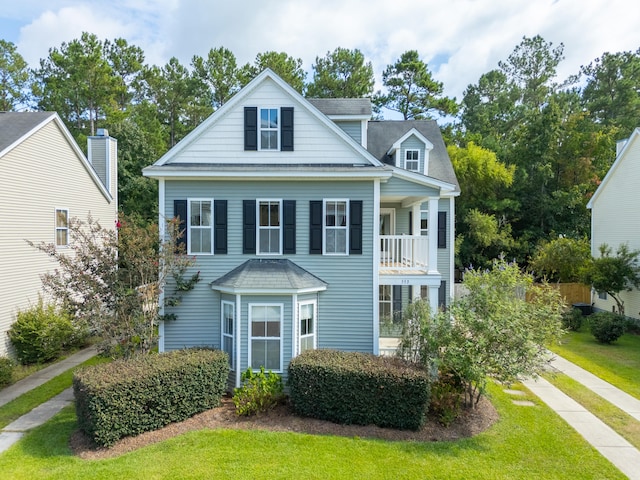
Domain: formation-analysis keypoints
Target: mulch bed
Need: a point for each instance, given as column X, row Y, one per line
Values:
column 282, row 419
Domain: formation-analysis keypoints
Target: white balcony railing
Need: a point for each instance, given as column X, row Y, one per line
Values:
column 404, row 252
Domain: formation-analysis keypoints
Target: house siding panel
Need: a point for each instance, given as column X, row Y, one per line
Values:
column 615, row 219
column 44, row 162
column 345, row 309
column 412, row 143
column 353, row 129
column 444, row 254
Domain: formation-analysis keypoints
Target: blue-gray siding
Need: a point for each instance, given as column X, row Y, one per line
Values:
column 353, row 129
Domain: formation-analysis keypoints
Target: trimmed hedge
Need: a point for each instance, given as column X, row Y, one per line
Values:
column 607, row 327
column 128, row 397
column 359, row 388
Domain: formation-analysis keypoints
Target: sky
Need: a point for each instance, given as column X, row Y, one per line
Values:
column 459, row 39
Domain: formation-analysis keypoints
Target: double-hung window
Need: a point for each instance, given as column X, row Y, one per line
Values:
column 200, row 226
column 62, row 227
column 228, row 323
column 307, row 326
column 424, row 222
column 412, row 160
column 269, row 227
column 269, row 129
column 266, row 336
column 336, row 227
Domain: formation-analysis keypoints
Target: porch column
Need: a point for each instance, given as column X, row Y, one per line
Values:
column 433, row 239
column 433, row 299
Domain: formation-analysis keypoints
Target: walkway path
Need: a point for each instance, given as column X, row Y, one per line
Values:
column 611, row 445
column 39, row 415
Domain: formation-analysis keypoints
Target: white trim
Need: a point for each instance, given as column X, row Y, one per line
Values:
column 207, row 172
column 364, row 132
column 294, row 323
column 337, row 228
column 251, row 337
column 239, row 367
column 452, row 238
column 267, row 290
column 54, row 117
column 632, row 138
column 162, row 232
column 376, row 267
column 298, row 341
column 417, row 177
column 223, row 322
column 199, row 227
column 267, row 129
column 56, row 228
column 398, row 143
column 260, row 228
column 432, row 224
column 237, row 100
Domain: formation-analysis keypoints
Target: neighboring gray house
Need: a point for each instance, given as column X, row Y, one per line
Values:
column 312, row 226
column 45, row 180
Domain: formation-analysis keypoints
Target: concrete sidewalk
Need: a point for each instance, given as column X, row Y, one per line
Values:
column 39, row 415
column 602, row 437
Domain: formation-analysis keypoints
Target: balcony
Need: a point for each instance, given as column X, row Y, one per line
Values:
column 401, row 254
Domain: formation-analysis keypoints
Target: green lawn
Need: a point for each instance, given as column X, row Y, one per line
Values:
column 527, row 442
column 618, row 363
column 27, row 402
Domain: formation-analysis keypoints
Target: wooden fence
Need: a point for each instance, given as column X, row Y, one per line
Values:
column 574, row 292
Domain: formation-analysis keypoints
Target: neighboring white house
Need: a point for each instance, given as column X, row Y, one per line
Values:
column 45, row 180
column 615, row 215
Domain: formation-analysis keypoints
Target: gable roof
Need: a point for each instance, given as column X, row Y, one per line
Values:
column 627, row 147
column 16, row 127
column 236, row 102
column 260, row 275
column 383, row 134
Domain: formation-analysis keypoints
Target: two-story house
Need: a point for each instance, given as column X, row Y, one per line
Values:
column 45, row 180
column 311, row 225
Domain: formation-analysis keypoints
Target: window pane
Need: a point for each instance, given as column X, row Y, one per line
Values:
column 341, row 241
column 273, row 355
column 206, row 241
column 264, row 118
column 273, row 329
column 258, row 329
column 272, row 312
column 206, row 214
column 274, row 214
column 341, row 214
column 62, row 237
column 61, row 218
column 258, row 354
column 274, row 240
column 306, row 344
column 263, row 239
column 196, row 241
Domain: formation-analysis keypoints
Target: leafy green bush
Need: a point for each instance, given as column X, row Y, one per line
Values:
column 41, row 333
column 607, row 327
column 572, row 319
column 6, row 371
column 128, row 397
column 446, row 399
column 259, row 392
column 359, row 388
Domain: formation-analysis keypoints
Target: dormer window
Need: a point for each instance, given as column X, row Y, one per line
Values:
column 412, row 160
column 269, row 129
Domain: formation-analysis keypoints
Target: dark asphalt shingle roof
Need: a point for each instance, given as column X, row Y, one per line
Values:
column 269, row 274
column 14, row 125
column 342, row 106
column 384, row 133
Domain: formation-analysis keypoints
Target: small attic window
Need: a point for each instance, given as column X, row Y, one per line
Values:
column 412, row 160
column 269, row 129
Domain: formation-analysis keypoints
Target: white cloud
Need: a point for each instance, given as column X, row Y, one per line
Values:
column 465, row 37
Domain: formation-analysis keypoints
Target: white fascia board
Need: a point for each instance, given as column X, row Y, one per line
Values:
column 614, row 167
column 430, row 280
column 181, row 174
column 238, row 97
column 445, row 187
column 413, row 132
column 348, row 118
column 54, row 117
column 267, row 291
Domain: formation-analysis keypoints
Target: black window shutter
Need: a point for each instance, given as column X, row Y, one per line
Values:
column 286, row 129
column 410, row 222
column 180, row 211
column 442, row 229
column 397, row 303
column 220, row 232
column 289, row 226
column 251, row 128
column 355, row 227
column 442, row 294
column 248, row 226
column 315, row 227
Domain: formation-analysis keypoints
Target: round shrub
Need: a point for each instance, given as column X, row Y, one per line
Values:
column 572, row 319
column 6, row 369
column 607, row 327
column 40, row 333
